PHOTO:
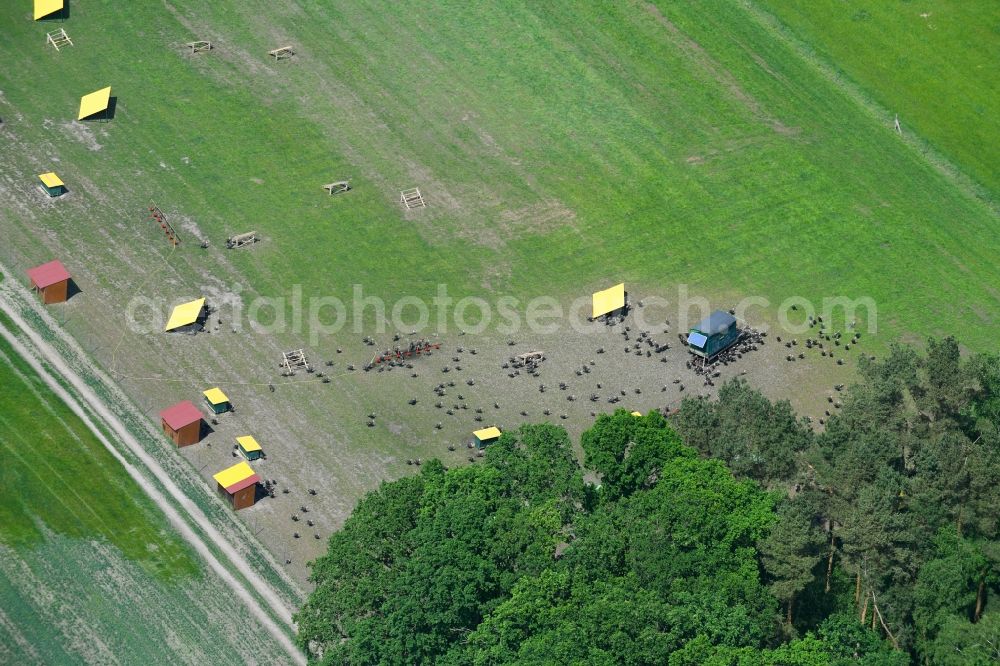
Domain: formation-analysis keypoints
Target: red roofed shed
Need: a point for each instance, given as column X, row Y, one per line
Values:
column 238, row 484
column 182, row 423
column 51, row 280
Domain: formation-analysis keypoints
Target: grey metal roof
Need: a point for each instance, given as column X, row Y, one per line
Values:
column 717, row 322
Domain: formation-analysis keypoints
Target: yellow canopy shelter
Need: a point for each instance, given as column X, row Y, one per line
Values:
column 609, row 300
column 185, row 314
column 636, row 413
column 44, row 8
column 50, row 180
column 487, row 434
column 231, row 476
column 95, row 102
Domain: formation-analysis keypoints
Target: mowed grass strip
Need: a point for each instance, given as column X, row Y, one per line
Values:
column 57, row 476
column 560, row 145
column 932, row 62
column 90, row 570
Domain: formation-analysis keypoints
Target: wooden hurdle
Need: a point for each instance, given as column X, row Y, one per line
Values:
column 282, row 53
column 199, row 46
column 412, row 199
column 58, row 38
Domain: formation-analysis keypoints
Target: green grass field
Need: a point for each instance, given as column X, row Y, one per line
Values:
column 933, row 62
column 90, row 570
column 561, row 147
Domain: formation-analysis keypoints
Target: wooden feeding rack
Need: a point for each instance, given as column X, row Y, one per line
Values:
column 528, row 359
column 242, row 240
column 338, row 187
column 282, row 53
column 199, row 46
column 157, row 215
column 412, row 199
column 294, row 360
column 58, row 39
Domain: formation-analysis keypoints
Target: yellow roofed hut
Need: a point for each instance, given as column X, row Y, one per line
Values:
column 486, row 436
column 218, row 401
column 609, row 302
column 188, row 317
column 249, row 447
column 52, row 184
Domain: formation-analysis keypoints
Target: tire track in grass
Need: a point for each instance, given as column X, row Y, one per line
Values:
column 50, row 356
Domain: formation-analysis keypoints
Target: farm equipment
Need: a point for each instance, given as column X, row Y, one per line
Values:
column 415, row 348
column 158, row 216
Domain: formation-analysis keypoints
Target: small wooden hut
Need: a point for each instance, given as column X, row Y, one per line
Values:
column 238, row 485
column 486, row 436
column 52, row 184
column 182, row 423
column 217, row 400
column 249, row 447
column 51, row 280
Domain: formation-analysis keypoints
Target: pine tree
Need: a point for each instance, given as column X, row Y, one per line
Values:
column 790, row 552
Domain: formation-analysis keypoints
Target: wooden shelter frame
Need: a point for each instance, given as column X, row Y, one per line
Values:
column 294, row 360
column 412, row 198
column 58, row 38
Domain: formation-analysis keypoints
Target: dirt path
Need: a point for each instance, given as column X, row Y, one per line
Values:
column 43, row 351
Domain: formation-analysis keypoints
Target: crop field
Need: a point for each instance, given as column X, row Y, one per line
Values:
column 561, row 147
column 90, row 570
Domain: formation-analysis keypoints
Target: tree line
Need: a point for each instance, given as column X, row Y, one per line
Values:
column 732, row 533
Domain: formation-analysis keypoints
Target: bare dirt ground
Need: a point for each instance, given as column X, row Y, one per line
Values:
column 317, row 436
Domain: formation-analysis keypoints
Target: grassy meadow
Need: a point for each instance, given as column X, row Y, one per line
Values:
column 90, row 570
column 932, row 61
column 561, row 147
